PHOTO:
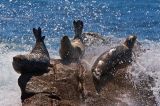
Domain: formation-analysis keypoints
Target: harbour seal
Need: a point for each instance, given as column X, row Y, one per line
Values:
column 37, row 61
column 116, row 58
column 73, row 50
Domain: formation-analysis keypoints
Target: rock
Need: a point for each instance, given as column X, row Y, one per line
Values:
column 71, row 85
column 59, row 86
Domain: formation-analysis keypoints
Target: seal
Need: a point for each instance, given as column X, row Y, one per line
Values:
column 73, row 50
column 37, row 61
column 116, row 58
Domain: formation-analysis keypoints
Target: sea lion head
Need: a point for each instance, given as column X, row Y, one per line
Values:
column 65, row 41
column 18, row 62
column 130, row 41
column 38, row 34
column 66, row 48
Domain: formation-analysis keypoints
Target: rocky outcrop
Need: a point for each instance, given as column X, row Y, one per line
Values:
column 58, row 86
column 72, row 85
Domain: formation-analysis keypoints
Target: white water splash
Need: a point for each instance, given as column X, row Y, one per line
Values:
column 148, row 64
column 9, row 90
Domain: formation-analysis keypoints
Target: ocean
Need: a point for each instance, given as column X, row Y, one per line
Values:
column 114, row 18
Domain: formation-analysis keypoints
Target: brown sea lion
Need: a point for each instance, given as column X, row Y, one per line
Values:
column 37, row 61
column 116, row 58
column 73, row 49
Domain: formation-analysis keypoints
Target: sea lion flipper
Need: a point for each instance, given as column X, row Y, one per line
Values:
column 34, row 31
column 39, row 30
column 38, row 34
column 78, row 27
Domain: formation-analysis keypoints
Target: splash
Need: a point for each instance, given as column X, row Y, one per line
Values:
column 9, row 90
column 147, row 68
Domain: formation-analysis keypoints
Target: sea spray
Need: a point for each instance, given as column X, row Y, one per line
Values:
column 147, row 67
column 9, row 90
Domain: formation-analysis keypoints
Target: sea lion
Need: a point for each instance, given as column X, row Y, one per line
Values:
column 37, row 61
column 116, row 58
column 73, row 49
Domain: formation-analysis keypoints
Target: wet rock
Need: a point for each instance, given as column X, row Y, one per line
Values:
column 72, row 85
column 58, row 86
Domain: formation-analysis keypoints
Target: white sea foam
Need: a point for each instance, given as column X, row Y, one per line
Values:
column 9, row 90
column 148, row 64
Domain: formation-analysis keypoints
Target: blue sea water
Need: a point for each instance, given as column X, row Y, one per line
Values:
column 118, row 18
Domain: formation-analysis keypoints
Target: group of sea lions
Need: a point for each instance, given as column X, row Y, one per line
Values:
column 38, row 60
